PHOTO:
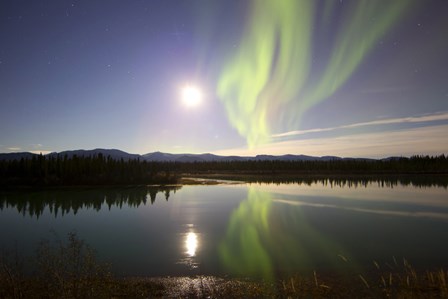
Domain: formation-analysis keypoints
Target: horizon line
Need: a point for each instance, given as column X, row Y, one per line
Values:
column 220, row 155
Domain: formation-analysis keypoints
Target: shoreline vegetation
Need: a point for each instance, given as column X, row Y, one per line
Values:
column 100, row 170
column 70, row 269
column 428, row 284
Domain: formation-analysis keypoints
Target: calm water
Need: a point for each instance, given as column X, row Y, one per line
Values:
column 256, row 230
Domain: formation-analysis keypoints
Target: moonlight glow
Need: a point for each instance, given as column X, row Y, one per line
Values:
column 191, row 244
column 191, row 96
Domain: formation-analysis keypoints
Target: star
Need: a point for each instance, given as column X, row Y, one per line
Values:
column 177, row 33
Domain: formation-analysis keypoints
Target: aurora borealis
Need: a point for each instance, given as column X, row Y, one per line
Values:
column 347, row 78
column 270, row 67
column 263, row 83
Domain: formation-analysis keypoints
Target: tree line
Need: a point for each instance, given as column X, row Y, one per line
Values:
column 346, row 167
column 54, row 170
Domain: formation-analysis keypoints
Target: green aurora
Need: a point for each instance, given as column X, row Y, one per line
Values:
column 266, row 86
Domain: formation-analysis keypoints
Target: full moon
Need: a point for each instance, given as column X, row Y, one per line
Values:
column 191, row 96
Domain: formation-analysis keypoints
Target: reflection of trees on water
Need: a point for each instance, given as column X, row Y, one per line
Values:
column 385, row 182
column 63, row 202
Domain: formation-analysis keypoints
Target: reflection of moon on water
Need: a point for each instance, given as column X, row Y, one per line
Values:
column 191, row 243
column 190, row 249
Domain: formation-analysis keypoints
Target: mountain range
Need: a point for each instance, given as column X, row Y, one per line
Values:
column 167, row 157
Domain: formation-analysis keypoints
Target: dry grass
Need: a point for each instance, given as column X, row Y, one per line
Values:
column 428, row 284
column 69, row 270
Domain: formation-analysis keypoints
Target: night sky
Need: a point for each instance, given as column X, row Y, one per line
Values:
column 347, row 78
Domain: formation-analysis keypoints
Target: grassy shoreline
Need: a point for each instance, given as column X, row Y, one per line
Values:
column 403, row 284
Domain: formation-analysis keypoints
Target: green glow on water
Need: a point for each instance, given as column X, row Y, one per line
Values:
column 267, row 235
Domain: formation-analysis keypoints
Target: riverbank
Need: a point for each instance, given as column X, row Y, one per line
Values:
column 209, row 178
column 404, row 284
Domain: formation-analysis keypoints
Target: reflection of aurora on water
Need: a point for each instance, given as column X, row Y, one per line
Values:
column 260, row 242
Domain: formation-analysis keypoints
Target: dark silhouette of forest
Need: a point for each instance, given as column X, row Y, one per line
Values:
column 55, row 170
column 80, row 170
column 62, row 202
column 413, row 165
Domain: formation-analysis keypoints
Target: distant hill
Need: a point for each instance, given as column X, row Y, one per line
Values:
column 167, row 157
column 113, row 153
column 164, row 157
column 16, row 156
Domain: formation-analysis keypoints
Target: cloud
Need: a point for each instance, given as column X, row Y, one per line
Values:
column 33, row 148
column 389, row 121
column 390, row 89
column 430, row 140
column 41, row 152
